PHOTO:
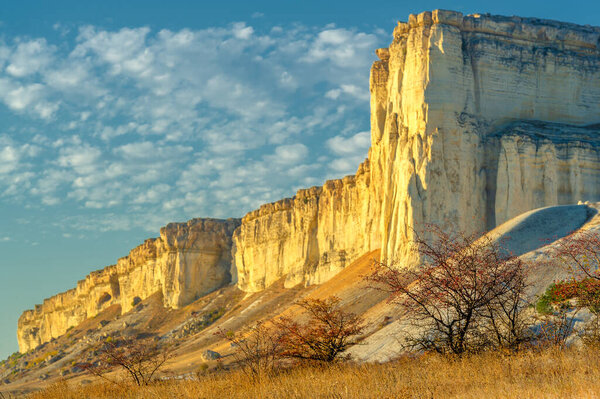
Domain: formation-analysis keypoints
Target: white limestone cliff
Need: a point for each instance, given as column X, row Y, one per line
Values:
column 474, row 120
column 454, row 80
column 308, row 238
column 187, row 261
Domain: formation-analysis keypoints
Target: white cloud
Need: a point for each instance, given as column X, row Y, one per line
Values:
column 124, row 50
column 290, row 154
column 353, row 145
column 344, row 166
column 184, row 123
column 342, row 47
column 9, row 159
column 136, row 150
column 351, row 90
column 350, row 150
column 29, row 57
column 81, row 158
column 241, row 31
column 64, row 79
column 153, row 194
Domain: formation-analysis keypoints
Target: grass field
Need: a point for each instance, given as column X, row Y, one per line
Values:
column 550, row 374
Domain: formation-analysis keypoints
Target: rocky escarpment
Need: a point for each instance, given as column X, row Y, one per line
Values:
column 449, row 81
column 474, row 120
column 187, row 261
column 308, row 238
column 454, row 141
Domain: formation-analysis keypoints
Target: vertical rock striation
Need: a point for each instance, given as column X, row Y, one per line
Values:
column 308, row 238
column 454, row 80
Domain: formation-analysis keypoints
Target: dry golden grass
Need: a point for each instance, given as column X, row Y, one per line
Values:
column 550, row 374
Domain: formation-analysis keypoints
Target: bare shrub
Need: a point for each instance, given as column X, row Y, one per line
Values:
column 579, row 253
column 590, row 333
column 324, row 336
column 256, row 350
column 141, row 359
column 468, row 294
column 555, row 329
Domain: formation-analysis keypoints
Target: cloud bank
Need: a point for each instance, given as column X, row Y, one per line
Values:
column 133, row 128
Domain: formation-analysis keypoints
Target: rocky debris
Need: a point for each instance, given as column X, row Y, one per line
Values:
column 208, row 355
column 76, row 369
column 196, row 323
column 54, row 359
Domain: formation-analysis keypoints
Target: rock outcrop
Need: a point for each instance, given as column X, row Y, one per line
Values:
column 474, row 120
column 187, row 261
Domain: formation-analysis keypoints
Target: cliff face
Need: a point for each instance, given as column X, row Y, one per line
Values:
column 474, row 120
column 187, row 261
column 446, row 145
column 454, row 80
column 308, row 238
column 534, row 164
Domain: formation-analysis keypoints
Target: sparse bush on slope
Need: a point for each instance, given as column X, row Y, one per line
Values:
column 468, row 294
column 324, row 336
column 141, row 359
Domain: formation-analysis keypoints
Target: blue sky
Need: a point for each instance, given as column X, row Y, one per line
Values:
column 117, row 117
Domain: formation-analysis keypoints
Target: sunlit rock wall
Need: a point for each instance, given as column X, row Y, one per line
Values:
column 308, row 238
column 445, row 148
column 453, row 80
column 187, row 261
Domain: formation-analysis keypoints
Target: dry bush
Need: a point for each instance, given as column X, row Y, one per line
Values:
column 579, row 253
column 327, row 332
column 468, row 294
column 6, row 396
column 256, row 350
column 324, row 336
column 140, row 359
column 555, row 330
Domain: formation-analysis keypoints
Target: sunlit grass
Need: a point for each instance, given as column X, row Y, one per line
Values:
column 549, row 374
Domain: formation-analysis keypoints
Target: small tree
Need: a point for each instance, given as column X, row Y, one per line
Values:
column 466, row 296
column 324, row 336
column 140, row 359
column 256, row 350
